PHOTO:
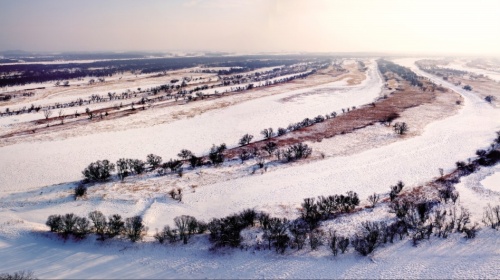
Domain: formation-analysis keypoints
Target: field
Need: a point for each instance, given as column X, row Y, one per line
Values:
column 345, row 109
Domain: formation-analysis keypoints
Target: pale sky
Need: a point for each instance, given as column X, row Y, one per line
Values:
column 402, row 26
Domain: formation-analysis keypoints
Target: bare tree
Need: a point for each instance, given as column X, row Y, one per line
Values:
column 245, row 140
column 185, row 154
column 270, row 147
column 268, row 133
column 61, row 115
column 401, row 128
column 187, row 226
column 374, row 199
column 47, row 113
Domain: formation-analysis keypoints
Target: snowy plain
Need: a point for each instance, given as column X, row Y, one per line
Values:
column 196, row 134
column 414, row 160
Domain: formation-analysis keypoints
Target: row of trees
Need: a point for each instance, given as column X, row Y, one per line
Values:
column 79, row 227
column 102, row 170
column 387, row 66
column 169, row 90
column 21, row 74
column 415, row 217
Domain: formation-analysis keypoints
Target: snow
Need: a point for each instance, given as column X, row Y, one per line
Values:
column 50, row 257
column 492, row 182
column 475, row 194
column 33, row 174
column 460, row 66
column 54, row 62
column 197, row 134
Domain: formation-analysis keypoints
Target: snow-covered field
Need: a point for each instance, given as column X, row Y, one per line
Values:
column 454, row 258
column 460, row 65
column 27, row 168
column 197, row 134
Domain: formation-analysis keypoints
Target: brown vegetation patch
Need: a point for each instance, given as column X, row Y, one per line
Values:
column 379, row 111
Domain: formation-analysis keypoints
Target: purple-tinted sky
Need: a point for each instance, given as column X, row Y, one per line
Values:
column 418, row 26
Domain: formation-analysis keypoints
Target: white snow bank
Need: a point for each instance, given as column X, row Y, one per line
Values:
column 452, row 258
column 492, row 182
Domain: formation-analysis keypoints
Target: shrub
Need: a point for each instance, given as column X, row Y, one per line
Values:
column 467, row 87
column 187, row 226
column 202, row 227
column 116, row 226
column 373, row 199
column 470, row 232
column 315, row 239
column 245, row 140
column 296, row 151
column 80, row 190
column 137, row 165
column 281, row 131
column 154, row 161
column 185, row 154
column 401, row 128
column 100, row 224
column 420, row 232
column 309, row 213
column 489, row 98
column 298, row 228
column 173, row 165
column 134, row 228
column 176, row 194
column 123, row 168
column 162, row 235
column 81, row 227
column 465, row 168
column 267, row 133
column 248, row 216
column 448, row 193
column 489, row 158
column 343, row 243
column 195, row 161
column 216, row 154
column 395, row 190
column 277, row 234
column 333, row 243
column 491, row 216
column 368, row 239
column 270, row 147
column 300, row 150
column 400, row 208
column 226, row 231
column 55, row 223
column 348, row 202
column 99, row 170
column 69, row 223
column 244, row 155
column 319, row 119
column 264, row 220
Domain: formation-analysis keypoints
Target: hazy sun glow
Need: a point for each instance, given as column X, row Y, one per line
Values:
column 403, row 26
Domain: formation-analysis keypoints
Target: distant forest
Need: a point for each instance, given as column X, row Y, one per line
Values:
column 21, row 74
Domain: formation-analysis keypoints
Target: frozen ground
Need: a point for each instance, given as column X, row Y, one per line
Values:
column 453, row 258
column 492, row 182
column 44, row 159
column 460, row 65
column 24, row 206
